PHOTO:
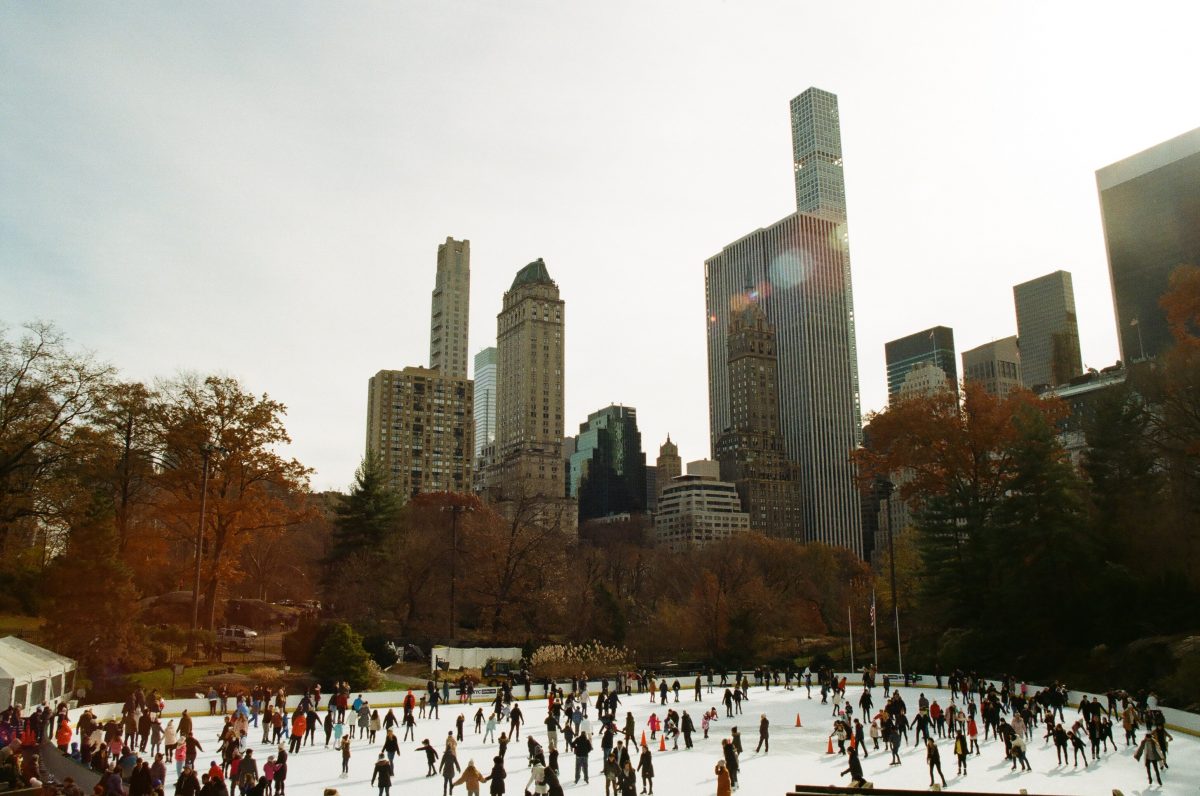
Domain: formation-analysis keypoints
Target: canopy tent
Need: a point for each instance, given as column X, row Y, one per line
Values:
column 31, row 675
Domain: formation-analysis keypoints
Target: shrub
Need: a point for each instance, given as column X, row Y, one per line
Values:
column 558, row 661
column 300, row 647
column 377, row 647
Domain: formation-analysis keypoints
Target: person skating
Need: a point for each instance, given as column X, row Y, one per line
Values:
column 687, row 726
column 382, row 774
column 1152, row 754
column 612, row 773
column 934, row 758
column 471, row 777
column 537, row 780
column 961, row 750
column 345, row 756
column 645, row 767
column 582, row 748
column 497, row 776
column 1018, row 754
column 431, row 757
column 764, row 734
column 724, row 779
column 854, row 769
column 731, row 761
column 449, row 768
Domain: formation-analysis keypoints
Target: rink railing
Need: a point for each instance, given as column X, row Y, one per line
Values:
column 1176, row 719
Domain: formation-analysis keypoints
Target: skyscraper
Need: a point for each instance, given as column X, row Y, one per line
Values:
column 934, row 345
column 797, row 265
column 750, row 451
column 1150, row 207
column 530, row 387
column 420, row 427
column 608, row 467
column 450, row 314
column 817, row 155
column 668, row 465
column 697, row 510
column 995, row 365
column 800, row 270
column 485, row 398
column 1047, row 331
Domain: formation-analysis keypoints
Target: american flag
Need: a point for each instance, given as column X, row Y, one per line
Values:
column 872, row 609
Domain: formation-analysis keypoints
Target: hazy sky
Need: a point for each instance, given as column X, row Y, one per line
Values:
column 259, row 189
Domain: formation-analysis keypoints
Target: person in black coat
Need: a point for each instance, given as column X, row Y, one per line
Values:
column 496, row 778
column 854, row 770
column 382, row 775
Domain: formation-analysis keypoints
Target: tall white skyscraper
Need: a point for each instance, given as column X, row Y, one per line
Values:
column 450, row 313
column 485, row 398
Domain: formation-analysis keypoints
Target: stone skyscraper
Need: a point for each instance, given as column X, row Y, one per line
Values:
column 750, row 451
column 669, row 465
column 1047, row 330
column 1150, row 207
column 996, row 366
column 449, row 318
column 800, row 270
column 485, row 398
column 420, row 428
column 530, row 386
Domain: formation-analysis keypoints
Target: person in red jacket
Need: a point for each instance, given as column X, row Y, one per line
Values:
column 299, row 725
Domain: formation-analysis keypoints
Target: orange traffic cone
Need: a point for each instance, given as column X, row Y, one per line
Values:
column 662, row 742
column 643, row 738
column 829, row 748
column 798, row 724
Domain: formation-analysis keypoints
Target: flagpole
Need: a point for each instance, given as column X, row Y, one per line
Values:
column 874, row 629
column 850, row 618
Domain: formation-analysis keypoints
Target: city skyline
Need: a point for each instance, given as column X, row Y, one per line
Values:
column 222, row 190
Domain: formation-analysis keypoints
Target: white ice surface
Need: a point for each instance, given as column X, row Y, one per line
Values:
column 797, row 755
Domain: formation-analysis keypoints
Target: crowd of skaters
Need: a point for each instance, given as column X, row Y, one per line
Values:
column 133, row 754
column 1007, row 712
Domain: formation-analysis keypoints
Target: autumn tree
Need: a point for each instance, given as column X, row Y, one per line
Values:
column 91, row 602
column 252, row 489
column 46, row 390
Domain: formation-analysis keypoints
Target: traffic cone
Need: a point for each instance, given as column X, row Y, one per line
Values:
column 829, row 748
column 662, row 742
column 798, row 724
column 643, row 739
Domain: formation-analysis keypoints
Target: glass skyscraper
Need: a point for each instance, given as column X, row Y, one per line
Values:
column 935, row 346
column 1047, row 330
column 485, row 398
column 1150, row 207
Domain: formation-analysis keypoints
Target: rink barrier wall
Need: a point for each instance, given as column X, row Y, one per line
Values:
column 1177, row 720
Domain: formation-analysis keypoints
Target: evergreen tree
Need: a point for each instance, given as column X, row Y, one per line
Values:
column 1041, row 551
column 364, row 517
column 342, row 657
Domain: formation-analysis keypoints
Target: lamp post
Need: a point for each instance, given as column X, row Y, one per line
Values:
column 206, row 451
column 454, row 510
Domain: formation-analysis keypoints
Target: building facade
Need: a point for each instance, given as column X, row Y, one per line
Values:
column 608, row 467
column 1047, row 330
column 530, row 389
column 451, row 309
column 799, row 269
column 996, row 366
column 817, row 155
column 750, row 450
column 696, row 510
column 420, row 426
column 934, row 345
column 485, row 398
column 925, row 379
column 1150, row 208
column 668, row 465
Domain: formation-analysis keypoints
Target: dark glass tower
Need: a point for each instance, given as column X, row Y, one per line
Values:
column 1150, row 207
column 935, row 346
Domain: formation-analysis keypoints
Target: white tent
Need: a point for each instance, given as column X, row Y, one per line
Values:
column 30, row 675
column 472, row 657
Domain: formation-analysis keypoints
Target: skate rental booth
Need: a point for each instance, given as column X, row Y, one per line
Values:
column 31, row 675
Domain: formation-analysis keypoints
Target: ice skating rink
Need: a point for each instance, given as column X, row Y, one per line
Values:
column 797, row 755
